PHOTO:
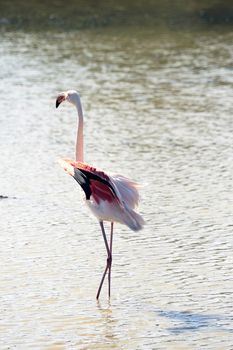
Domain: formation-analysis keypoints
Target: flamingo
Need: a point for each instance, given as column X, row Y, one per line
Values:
column 110, row 198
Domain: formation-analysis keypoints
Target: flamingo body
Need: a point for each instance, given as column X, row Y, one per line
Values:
column 110, row 198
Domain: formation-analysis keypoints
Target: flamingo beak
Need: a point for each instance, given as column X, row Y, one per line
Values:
column 60, row 99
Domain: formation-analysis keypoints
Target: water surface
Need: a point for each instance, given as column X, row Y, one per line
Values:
column 158, row 108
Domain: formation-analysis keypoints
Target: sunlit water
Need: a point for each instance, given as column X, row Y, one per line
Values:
column 158, row 108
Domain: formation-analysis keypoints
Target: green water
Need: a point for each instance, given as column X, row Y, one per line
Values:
column 60, row 15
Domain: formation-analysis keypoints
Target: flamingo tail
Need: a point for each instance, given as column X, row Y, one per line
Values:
column 132, row 219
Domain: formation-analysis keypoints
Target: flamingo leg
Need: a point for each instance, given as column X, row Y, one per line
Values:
column 110, row 262
column 109, row 259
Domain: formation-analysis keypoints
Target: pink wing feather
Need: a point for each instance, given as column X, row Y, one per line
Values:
column 121, row 191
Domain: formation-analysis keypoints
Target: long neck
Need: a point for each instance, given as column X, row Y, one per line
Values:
column 79, row 140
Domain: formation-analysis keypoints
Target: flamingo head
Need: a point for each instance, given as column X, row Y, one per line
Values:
column 71, row 96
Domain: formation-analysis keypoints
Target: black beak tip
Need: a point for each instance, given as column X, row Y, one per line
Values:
column 57, row 104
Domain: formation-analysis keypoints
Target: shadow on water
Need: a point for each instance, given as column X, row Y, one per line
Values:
column 191, row 322
column 178, row 322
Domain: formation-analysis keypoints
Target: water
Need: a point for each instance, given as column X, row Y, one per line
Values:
column 158, row 108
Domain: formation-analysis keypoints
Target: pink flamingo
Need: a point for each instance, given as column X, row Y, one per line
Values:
column 110, row 198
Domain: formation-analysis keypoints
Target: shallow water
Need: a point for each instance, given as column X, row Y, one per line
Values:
column 158, row 108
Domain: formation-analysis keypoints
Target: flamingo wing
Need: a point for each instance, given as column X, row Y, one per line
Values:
column 127, row 190
column 94, row 182
column 115, row 196
column 95, row 185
